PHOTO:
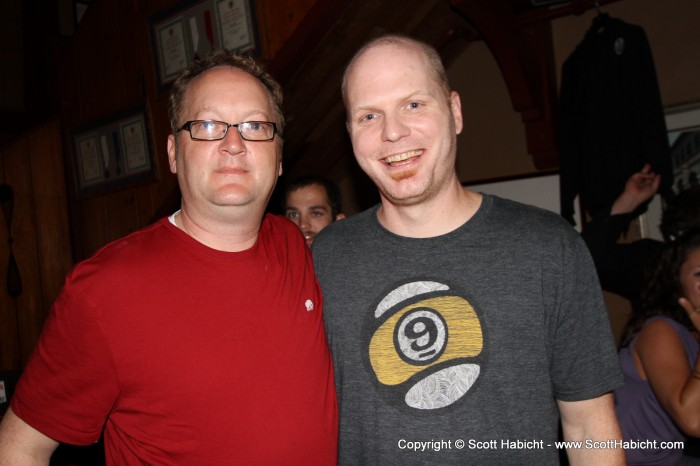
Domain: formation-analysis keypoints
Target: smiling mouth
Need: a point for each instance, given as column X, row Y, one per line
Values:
column 309, row 237
column 403, row 158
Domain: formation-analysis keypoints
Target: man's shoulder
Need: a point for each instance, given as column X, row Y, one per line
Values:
column 510, row 224
column 517, row 208
column 137, row 241
column 525, row 217
column 278, row 221
column 119, row 260
column 280, row 233
column 344, row 235
column 351, row 225
column 279, row 225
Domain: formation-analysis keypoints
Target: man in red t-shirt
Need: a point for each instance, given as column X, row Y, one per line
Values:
column 199, row 339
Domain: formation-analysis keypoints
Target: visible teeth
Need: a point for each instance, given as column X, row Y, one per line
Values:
column 402, row 157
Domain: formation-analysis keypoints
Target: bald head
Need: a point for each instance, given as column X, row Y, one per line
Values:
column 433, row 60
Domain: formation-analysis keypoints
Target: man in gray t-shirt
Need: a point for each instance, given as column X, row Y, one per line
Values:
column 462, row 326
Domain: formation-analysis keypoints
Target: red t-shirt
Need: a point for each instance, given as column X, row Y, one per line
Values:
column 188, row 355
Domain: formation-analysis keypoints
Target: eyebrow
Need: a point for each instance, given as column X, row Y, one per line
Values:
column 416, row 95
column 253, row 115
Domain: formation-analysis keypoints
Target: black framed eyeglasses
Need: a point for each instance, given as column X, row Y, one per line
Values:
column 213, row 130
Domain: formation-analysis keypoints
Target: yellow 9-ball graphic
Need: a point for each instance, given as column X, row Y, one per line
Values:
column 433, row 331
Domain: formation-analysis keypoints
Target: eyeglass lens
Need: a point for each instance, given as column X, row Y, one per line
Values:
column 249, row 130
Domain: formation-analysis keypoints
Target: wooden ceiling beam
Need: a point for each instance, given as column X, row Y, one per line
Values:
column 575, row 7
column 525, row 58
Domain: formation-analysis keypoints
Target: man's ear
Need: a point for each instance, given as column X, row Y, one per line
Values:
column 172, row 154
column 456, row 107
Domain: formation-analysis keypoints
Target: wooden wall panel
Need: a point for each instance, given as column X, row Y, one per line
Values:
column 92, row 230
column 50, row 210
column 277, row 20
column 107, row 61
column 9, row 347
column 33, row 167
column 30, row 313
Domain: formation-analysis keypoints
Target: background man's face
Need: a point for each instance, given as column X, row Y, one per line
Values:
column 309, row 208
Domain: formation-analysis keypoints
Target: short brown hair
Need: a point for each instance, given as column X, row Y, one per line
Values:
column 222, row 57
column 331, row 188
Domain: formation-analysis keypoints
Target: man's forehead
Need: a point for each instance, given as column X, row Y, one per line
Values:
column 228, row 78
column 378, row 53
column 386, row 67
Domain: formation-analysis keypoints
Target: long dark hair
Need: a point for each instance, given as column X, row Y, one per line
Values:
column 662, row 286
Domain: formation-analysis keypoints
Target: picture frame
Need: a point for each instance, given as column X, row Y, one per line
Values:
column 193, row 28
column 113, row 153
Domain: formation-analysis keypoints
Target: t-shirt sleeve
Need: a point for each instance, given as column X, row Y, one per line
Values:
column 69, row 384
column 584, row 360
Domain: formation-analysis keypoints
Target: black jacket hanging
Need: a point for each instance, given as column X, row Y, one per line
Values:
column 612, row 120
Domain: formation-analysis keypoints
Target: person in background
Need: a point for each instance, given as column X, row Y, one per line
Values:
column 312, row 202
column 660, row 400
column 463, row 326
column 198, row 339
column 621, row 266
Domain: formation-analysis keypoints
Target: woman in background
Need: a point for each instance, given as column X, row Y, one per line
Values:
column 660, row 400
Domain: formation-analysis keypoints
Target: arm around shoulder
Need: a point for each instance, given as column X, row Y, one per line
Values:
column 592, row 420
column 22, row 445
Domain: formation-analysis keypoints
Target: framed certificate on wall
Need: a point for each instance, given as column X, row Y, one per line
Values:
column 113, row 153
column 193, row 28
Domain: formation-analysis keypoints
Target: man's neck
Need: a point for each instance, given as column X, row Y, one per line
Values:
column 437, row 216
column 225, row 231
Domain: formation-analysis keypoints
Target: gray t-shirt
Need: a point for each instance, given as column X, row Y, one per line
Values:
column 453, row 349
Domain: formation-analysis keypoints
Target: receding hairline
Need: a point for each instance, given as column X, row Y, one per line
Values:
column 274, row 110
column 397, row 40
column 223, row 58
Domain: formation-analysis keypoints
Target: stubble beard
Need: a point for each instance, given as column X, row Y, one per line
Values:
column 395, row 197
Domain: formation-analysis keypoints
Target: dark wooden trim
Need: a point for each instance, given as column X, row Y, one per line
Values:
column 307, row 36
column 525, row 57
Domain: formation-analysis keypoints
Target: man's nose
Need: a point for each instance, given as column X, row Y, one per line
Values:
column 233, row 143
column 304, row 220
column 394, row 128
